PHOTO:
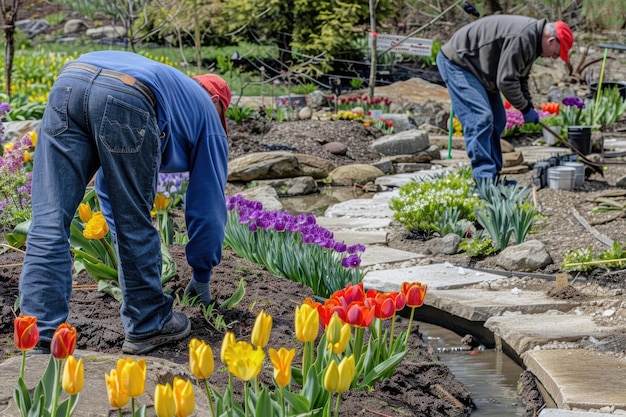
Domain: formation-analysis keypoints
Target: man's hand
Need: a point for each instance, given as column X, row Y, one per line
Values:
column 531, row 116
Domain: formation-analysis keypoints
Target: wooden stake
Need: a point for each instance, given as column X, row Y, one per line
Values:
column 561, row 281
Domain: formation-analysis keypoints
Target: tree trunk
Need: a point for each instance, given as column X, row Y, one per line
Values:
column 9, row 13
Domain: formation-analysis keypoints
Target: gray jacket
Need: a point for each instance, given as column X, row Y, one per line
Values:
column 500, row 51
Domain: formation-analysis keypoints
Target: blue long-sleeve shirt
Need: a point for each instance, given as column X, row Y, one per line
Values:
column 193, row 140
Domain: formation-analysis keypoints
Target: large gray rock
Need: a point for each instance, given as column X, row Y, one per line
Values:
column 526, row 257
column 314, row 166
column 32, row 27
column 264, row 166
column 407, row 142
column 106, row 32
column 264, row 194
column 355, row 174
column 73, row 26
column 288, row 187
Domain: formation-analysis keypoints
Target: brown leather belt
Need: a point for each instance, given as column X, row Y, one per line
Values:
column 125, row 78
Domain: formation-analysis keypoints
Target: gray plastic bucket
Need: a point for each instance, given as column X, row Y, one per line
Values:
column 561, row 178
column 579, row 175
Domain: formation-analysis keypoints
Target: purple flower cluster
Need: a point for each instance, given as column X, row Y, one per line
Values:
column 172, row 184
column 252, row 213
column 13, row 159
column 574, row 101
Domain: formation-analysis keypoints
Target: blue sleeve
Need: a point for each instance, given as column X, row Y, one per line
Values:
column 205, row 205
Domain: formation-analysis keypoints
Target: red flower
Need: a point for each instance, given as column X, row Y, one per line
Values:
column 360, row 315
column 507, row 105
column 384, row 307
column 414, row 293
column 389, row 123
column 398, row 299
column 25, row 332
column 63, row 341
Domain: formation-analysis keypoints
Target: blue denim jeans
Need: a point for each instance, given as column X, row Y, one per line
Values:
column 95, row 122
column 482, row 116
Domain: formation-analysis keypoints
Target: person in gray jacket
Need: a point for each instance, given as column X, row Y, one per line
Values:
column 486, row 60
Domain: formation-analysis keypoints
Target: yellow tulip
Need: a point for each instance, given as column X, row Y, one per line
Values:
column 261, row 330
column 84, row 212
column 161, row 202
column 33, row 137
column 132, row 376
column 229, row 339
column 201, row 360
column 340, row 346
column 338, row 378
column 347, row 369
column 307, row 323
column 183, row 397
column 243, row 360
column 96, row 228
column 281, row 360
column 9, row 146
column 333, row 330
column 73, row 376
column 27, row 157
column 164, row 405
column 114, row 391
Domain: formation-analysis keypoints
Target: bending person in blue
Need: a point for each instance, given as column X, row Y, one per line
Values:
column 126, row 118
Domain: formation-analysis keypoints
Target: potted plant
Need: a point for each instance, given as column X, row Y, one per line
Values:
column 555, row 122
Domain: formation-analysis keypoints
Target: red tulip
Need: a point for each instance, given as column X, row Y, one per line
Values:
column 63, row 341
column 414, row 293
column 25, row 333
column 384, row 307
column 359, row 315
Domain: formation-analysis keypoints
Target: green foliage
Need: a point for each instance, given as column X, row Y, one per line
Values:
column 420, row 205
column 585, row 260
column 479, row 245
column 239, row 113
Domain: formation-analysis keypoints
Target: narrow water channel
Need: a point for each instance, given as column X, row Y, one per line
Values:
column 489, row 375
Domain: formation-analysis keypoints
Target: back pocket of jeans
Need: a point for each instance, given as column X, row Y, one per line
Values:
column 123, row 126
column 55, row 120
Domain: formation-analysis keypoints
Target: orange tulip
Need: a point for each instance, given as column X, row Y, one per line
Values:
column 359, row 315
column 84, row 212
column 414, row 293
column 25, row 332
column 63, row 341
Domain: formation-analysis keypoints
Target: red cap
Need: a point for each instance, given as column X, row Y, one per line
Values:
column 216, row 86
column 566, row 39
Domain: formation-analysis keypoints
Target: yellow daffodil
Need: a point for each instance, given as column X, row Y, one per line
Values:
column 116, row 398
column 164, row 405
column 339, row 377
column 33, row 137
column 183, row 397
column 281, row 360
column 132, row 376
column 73, row 376
column 201, row 360
column 307, row 323
column 229, row 339
column 261, row 330
column 96, row 228
column 161, row 202
column 340, row 346
column 243, row 360
column 84, row 212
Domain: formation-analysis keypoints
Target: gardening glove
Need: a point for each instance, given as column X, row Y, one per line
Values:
column 200, row 289
column 531, row 116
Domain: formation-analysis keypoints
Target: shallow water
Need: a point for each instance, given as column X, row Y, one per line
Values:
column 489, row 375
